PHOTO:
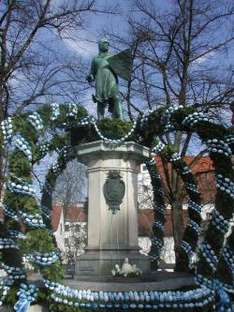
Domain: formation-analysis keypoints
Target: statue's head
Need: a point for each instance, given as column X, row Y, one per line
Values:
column 103, row 45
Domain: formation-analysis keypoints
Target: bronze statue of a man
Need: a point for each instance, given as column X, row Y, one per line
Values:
column 105, row 69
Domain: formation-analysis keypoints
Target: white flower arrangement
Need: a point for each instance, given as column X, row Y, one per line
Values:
column 127, row 270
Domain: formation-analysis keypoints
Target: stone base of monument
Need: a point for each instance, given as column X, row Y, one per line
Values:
column 160, row 281
column 112, row 206
column 101, row 262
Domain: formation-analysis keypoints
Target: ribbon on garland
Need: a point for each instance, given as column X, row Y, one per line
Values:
column 222, row 298
column 27, row 294
column 22, row 305
column 224, row 303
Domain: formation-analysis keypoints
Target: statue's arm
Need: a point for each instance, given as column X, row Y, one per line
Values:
column 92, row 74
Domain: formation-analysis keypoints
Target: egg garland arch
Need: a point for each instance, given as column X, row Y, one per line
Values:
column 159, row 213
column 21, row 209
column 220, row 144
column 26, row 134
column 188, row 245
column 65, row 155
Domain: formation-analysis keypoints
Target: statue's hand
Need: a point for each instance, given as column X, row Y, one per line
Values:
column 89, row 78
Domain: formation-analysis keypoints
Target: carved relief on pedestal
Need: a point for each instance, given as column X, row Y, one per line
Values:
column 114, row 190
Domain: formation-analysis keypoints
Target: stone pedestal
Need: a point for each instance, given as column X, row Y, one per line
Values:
column 111, row 237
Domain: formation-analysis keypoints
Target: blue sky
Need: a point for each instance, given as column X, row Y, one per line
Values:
column 96, row 25
column 84, row 45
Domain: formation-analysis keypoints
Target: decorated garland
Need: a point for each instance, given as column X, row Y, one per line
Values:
column 189, row 242
column 132, row 300
column 159, row 210
column 220, row 153
column 220, row 145
column 225, row 270
column 91, row 121
column 26, row 233
column 26, row 295
column 23, row 216
column 65, row 155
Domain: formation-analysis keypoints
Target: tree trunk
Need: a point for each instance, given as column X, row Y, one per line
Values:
column 3, row 168
column 1, row 176
column 177, row 225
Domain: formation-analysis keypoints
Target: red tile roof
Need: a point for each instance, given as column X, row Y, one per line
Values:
column 203, row 170
column 146, row 219
column 199, row 165
column 76, row 213
column 56, row 215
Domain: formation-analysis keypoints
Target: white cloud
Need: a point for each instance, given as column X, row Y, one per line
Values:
column 204, row 58
column 84, row 45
